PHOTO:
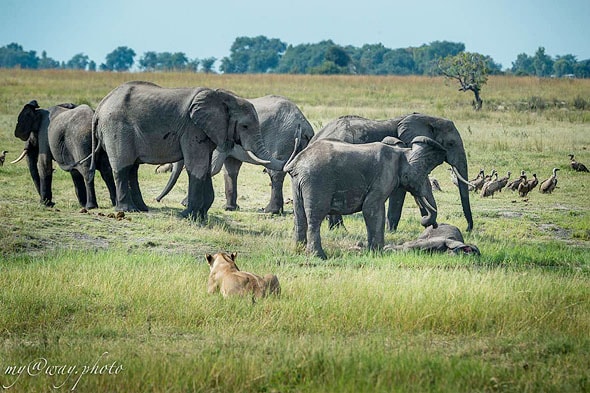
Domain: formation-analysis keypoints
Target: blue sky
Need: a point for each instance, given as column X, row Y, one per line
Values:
column 206, row 28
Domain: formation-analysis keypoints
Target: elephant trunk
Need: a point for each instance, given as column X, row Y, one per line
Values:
column 431, row 215
column 176, row 169
column 460, row 167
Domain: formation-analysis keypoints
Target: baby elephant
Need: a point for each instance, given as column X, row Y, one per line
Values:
column 333, row 177
column 230, row 280
column 444, row 238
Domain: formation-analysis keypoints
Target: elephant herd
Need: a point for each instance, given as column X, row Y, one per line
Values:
column 351, row 165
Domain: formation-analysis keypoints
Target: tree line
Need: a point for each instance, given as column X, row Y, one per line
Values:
column 271, row 55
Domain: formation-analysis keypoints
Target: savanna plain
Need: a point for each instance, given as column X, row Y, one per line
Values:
column 90, row 303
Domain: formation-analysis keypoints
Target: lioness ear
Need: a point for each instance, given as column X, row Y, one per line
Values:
column 209, row 258
column 234, row 256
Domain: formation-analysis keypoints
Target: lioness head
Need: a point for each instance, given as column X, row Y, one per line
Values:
column 222, row 260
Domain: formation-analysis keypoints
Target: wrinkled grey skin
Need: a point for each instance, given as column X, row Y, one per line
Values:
column 140, row 122
column 444, row 238
column 354, row 129
column 333, row 177
column 62, row 133
column 280, row 120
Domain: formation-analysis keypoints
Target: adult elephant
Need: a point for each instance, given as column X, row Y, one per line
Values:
column 357, row 130
column 281, row 122
column 61, row 133
column 140, row 122
column 334, row 177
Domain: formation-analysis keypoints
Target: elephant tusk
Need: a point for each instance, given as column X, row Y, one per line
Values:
column 22, row 155
column 428, row 205
column 256, row 159
column 456, row 172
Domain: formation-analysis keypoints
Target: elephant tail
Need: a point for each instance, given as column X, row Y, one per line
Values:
column 95, row 147
column 296, row 150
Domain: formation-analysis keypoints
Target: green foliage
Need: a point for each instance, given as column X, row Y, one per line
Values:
column 166, row 61
column 79, row 62
column 207, row 64
column 13, row 55
column 121, row 59
column 469, row 69
column 542, row 63
column 253, row 55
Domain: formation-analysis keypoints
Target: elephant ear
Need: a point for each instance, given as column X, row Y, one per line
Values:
column 210, row 113
column 426, row 154
column 28, row 121
column 415, row 125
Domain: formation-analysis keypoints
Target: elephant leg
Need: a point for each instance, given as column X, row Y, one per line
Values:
column 135, row 190
column 394, row 212
column 196, row 202
column 45, row 167
column 314, row 241
column 335, row 221
column 208, row 198
column 231, row 169
column 106, row 172
column 300, row 217
column 275, row 205
column 374, row 215
column 124, row 199
column 88, row 184
column 79, row 186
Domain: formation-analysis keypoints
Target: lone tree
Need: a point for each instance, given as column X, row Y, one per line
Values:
column 470, row 69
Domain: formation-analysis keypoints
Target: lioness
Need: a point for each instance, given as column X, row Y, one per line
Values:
column 227, row 277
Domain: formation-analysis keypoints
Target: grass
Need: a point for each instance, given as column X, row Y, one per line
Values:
column 123, row 303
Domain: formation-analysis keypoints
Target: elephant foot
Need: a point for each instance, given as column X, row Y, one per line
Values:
column 127, row 208
column 321, row 255
column 90, row 206
column 273, row 209
column 192, row 215
column 231, row 208
column 47, row 203
column 141, row 206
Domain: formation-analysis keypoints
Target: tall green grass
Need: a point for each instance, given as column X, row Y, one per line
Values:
column 80, row 289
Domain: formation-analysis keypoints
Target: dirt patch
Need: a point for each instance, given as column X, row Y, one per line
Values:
column 555, row 231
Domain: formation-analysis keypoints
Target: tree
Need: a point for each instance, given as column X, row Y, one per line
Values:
column 121, row 59
column 582, row 69
column 427, row 56
column 470, row 70
column 564, row 65
column 542, row 63
column 78, row 62
column 398, row 62
column 13, row 55
column 47, row 62
column 253, row 55
column 302, row 58
column 207, row 64
column 523, row 65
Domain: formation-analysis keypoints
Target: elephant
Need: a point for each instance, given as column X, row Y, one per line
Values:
column 62, row 133
column 355, row 129
column 444, row 238
column 141, row 122
column 281, row 121
column 334, row 177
